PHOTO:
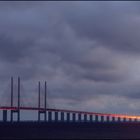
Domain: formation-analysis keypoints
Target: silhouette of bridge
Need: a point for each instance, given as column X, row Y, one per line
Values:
column 62, row 115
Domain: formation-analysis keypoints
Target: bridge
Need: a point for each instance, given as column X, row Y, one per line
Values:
column 60, row 115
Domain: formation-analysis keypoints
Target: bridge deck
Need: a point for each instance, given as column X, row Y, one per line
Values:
column 70, row 111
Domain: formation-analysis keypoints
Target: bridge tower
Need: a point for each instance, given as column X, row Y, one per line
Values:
column 17, row 111
column 40, row 111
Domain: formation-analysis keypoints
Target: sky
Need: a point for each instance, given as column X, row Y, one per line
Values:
column 88, row 52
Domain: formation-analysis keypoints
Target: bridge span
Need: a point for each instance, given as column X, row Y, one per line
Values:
column 76, row 116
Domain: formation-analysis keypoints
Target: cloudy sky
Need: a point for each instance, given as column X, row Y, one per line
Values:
column 89, row 53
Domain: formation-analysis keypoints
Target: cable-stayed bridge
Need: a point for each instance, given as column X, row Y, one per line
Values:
column 59, row 115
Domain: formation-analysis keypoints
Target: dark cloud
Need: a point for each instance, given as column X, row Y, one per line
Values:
column 113, row 25
column 87, row 51
column 12, row 50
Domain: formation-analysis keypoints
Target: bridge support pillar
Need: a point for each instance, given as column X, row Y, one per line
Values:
column 73, row 117
column 102, row 118
column 5, row 115
column 113, row 119
column 119, row 119
column 49, row 116
column 90, row 118
column 96, row 118
column 15, row 112
column 68, row 116
column 42, row 112
column 107, row 118
column 62, row 116
column 85, row 117
column 130, row 120
column 124, row 119
column 135, row 120
column 79, row 117
column 56, row 116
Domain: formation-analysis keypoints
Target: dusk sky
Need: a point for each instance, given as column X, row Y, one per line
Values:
column 88, row 52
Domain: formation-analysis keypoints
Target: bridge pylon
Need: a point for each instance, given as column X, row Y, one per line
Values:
column 17, row 111
column 40, row 111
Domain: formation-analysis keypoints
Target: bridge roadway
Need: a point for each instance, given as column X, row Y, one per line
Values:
column 71, row 111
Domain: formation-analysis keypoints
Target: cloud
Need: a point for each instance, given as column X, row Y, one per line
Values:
column 112, row 24
column 85, row 50
column 12, row 50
